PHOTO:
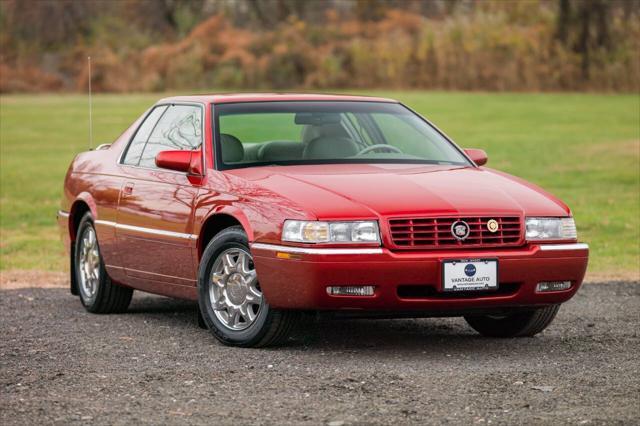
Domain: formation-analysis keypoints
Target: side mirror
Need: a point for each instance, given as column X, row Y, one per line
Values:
column 181, row 161
column 477, row 155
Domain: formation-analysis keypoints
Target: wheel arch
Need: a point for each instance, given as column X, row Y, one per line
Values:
column 216, row 222
column 84, row 203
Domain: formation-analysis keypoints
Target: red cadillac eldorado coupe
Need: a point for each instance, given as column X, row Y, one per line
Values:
column 263, row 207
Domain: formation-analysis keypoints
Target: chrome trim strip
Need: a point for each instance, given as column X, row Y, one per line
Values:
column 155, row 169
column 104, row 222
column 62, row 213
column 159, row 275
column 574, row 246
column 309, row 250
column 155, row 231
column 146, row 230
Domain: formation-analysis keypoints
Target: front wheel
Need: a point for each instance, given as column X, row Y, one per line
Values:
column 518, row 324
column 230, row 298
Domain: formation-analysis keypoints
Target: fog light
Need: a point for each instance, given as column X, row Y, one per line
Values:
column 553, row 286
column 363, row 290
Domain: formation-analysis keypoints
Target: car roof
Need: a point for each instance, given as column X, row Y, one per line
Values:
column 270, row 97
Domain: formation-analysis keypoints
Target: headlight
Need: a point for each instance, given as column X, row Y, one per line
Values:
column 551, row 228
column 300, row 231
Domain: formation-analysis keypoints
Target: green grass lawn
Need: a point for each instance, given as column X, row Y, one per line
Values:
column 584, row 148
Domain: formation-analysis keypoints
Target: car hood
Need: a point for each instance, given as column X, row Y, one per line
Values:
column 340, row 191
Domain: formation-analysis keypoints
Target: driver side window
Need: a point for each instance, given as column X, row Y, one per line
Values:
column 132, row 156
column 179, row 128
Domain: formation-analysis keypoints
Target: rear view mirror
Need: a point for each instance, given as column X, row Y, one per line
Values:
column 477, row 155
column 317, row 118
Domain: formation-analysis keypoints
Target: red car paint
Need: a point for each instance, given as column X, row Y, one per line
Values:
column 153, row 224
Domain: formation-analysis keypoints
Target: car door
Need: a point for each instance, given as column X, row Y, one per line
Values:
column 155, row 209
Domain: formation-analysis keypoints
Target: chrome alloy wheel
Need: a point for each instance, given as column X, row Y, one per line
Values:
column 89, row 263
column 234, row 292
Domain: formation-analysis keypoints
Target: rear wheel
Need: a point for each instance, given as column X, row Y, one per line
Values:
column 231, row 300
column 97, row 292
column 518, row 324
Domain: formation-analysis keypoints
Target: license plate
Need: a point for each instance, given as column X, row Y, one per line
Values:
column 470, row 275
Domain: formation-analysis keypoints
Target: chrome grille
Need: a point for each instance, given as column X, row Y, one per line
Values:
column 435, row 232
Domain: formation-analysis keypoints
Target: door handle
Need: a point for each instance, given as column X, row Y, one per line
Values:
column 127, row 189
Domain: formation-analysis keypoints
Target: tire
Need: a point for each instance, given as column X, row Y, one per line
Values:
column 227, row 278
column 519, row 324
column 97, row 292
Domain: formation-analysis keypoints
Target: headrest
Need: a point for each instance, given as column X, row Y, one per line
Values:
column 330, row 147
column 280, row 150
column 232, row 149
column 335, row 130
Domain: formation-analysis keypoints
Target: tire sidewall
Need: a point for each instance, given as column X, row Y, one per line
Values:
column 524, row 323
column 89, row 303
column 233, row 237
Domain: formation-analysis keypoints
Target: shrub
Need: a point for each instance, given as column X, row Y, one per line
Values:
column 496, row 46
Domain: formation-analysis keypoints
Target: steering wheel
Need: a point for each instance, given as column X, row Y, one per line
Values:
column 379, row 146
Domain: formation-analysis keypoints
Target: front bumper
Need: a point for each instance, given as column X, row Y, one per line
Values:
column 62, row 217
column 297, row 278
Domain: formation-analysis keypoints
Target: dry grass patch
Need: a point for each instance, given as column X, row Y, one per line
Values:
column 18, row 278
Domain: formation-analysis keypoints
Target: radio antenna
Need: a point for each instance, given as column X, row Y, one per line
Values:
column 90, row 107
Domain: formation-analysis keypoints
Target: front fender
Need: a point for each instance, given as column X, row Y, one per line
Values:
column 237, row 214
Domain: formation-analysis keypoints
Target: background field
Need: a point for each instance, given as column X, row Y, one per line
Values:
column 585, row 148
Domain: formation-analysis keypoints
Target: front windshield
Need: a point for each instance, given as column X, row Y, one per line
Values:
column 285, row 133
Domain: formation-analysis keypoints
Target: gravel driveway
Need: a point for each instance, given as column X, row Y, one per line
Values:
column 153, row 365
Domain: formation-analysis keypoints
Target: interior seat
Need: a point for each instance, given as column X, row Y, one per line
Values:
column 330, row 147
column 280, row 150
column 232, row 149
